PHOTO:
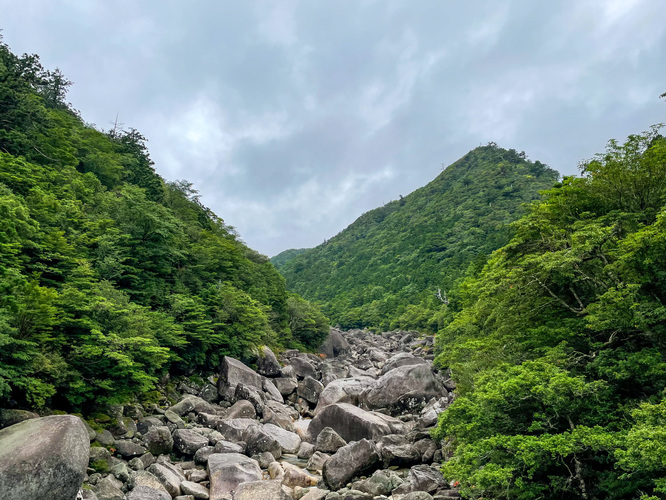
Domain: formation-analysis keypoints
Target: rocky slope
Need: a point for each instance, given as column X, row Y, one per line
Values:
column 350, row 423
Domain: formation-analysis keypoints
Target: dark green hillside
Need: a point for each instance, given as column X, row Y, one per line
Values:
column 385, row 269
column 110, row 276
column 559, row 349
column 281, row 259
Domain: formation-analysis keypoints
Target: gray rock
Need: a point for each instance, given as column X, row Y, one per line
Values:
column 159, row 440
column 187, row 441
column 353, row 423
column 344, row 390
column 267, row 363
column 258, row 440
column 335, row 344
column 105, row 438
column 129, row 449
column 145, row 424
column 382, row 482
column 310, row 389
column 106, row 489
column 202, row 454
column 228, row 447
column 261, row 490
column 271, row 391
column 295, row 477
column 422, row 478
column 147, row 493
column 303, row 367
column 352, row 460
column 317, row 461
column 174, row 419
column 183, row 407
column 254, row 396
column 123, row 427
column 241, row 409
column 264, row 459
column 315, row 494
column 417, row 495
column 233, row 373
column 289, row 441
column 98, row 454
column 146, row 479
column 329, row 441
column 402, row 359
column 11, row 417
column 227, row 470
column 194, row 489
column 169, row 476
column 404, row 389
column 209, row 393
column 286, row 385
column 44, row 458
column 121, row 472
column 232, row 429
column 305, row 450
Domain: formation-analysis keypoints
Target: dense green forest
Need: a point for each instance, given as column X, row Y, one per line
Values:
column 386, row 268
column 281, row 259
column 109, row 276
column 559, row 349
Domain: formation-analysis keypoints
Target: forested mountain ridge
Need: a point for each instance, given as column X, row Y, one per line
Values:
column 385, row 269
column 281, row 259
column 559, row 348
column 111, row 277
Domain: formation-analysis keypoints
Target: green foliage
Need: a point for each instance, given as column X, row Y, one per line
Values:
column 559, row 347
column 110, row 277
column 307, row 323
column 385, row 269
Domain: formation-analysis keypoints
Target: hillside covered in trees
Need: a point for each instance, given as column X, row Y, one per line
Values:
column 109, row 276
column 386, row 268
column 559, row 349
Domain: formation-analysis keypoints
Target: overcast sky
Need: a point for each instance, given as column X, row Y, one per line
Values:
column 292, row 118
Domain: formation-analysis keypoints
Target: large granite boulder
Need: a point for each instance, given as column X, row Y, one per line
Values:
column 169, row 476
column 286, row 385
column 402, row 359
column 353, row 423
column 159, row 440
column 290, row 442
column 335, row 344
column 303, row 367
column 309, row 389
column 233, row 373
column 329, row 441
column 43, row 458
column 233, row 428
column 188, row 441
column 343, row 390
column 406, row 388
column 258, row 441
column 267, row 363
column 350, row 461
column 226, row 471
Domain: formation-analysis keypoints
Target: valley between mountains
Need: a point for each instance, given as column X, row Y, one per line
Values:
column 499, row 333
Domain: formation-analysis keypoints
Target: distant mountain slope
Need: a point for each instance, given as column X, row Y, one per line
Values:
column 281, row 259
column 376, row 271
column 110, row 276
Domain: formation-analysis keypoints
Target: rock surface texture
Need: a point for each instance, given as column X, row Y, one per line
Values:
column 330, row 426
column 43, row 458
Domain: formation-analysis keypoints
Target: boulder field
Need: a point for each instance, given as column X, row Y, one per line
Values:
column 352, row 423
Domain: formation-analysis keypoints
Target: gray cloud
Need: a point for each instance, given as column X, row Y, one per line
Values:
column 293, row 118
